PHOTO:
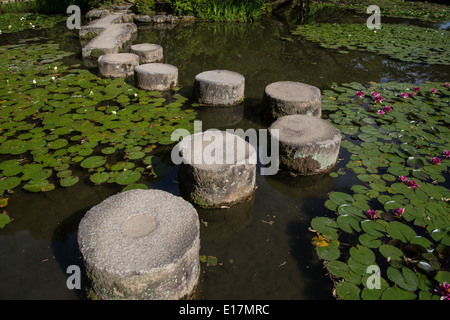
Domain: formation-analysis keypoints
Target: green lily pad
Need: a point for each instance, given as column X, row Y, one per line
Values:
column 127, row 177
column 69, row 181
column 93, row 162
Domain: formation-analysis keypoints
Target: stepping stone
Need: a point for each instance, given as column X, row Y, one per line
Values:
column 156, row 76
column 141, row 245
column 97, row 14
column 111, row 40
column 117, row 65
column 148, row 52
column 308, row 145
column 289, row 97
column 97, row 26
column 216, row 168
column 219, row 88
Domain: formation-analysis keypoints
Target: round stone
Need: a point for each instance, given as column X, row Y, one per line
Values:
column 307, row 145
column 117, row 65
column 219, row 88
column 290, row 97
column 216, row 168
column 156, row 76
column 141, row 244
column 148, row 52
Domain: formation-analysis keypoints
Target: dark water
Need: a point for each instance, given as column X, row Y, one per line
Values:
column 263, row 245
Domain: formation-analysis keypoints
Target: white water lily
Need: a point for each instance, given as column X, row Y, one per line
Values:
column 113, row 112
column 91, row 93
column 55, row 68
column 53, row 78
column 34, row 81
column 10, row 26
column 135, row 94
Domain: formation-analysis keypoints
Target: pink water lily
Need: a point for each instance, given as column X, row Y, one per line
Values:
column 446, row 85
column 417, row 89
column 412, row 94
column 433, row 90
column 404, row 95
column 412, row 184
column 399, row 211
column 374, row 93
column 372, row 214
column 387, row 109
column 436, row 160
column 380, row 112
column 360, row 94
column 446, row 154
column 444, row 291
column 403, row 178
column 379, row 98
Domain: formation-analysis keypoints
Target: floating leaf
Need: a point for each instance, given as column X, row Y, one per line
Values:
column 127, row 177
column 404, row 278
column 93, row 162
column 69, row 181
column 400, row 231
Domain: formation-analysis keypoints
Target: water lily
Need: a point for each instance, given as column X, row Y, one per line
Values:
column 444, row 291
column 404, row 95
column 446, row 85
column 436, row 160
column 403, row 178
column 34, row 81
column 55, row 68
column 433, row 90
column 374, row 93
column 113, row 112
column 360, row 94
column 379, row 98
column 446, row 154
column 387, row 109
column 412, row 94
column 10, row 26
column 417, row 89
column 399, row 211
column 53, row 78
column 412, row 184
column 372, row 214
column 380, row 112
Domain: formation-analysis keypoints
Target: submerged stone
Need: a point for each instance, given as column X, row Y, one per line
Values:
column 141, row 244
column 97, row 26
column 308, row 145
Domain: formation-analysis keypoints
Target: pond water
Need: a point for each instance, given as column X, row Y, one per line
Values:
column 263, row 246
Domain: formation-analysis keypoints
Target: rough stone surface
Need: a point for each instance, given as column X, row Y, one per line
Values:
column 156, row 76
column 111, row 40
column 290, row 97
column 141, row 244
column 117, row 65
column 218, row 168
column 97, row 14
column 219, row 88
column 97, row 26
column 148, row 52
column 308, row 145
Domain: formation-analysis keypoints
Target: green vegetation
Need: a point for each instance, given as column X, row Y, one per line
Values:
column 60, row 124
column 397, row 216
column 422, row 10
column 395, row 40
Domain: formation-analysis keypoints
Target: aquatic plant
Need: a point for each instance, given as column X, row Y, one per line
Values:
column 394, row 40
column 60, row 124
column 395, row 216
